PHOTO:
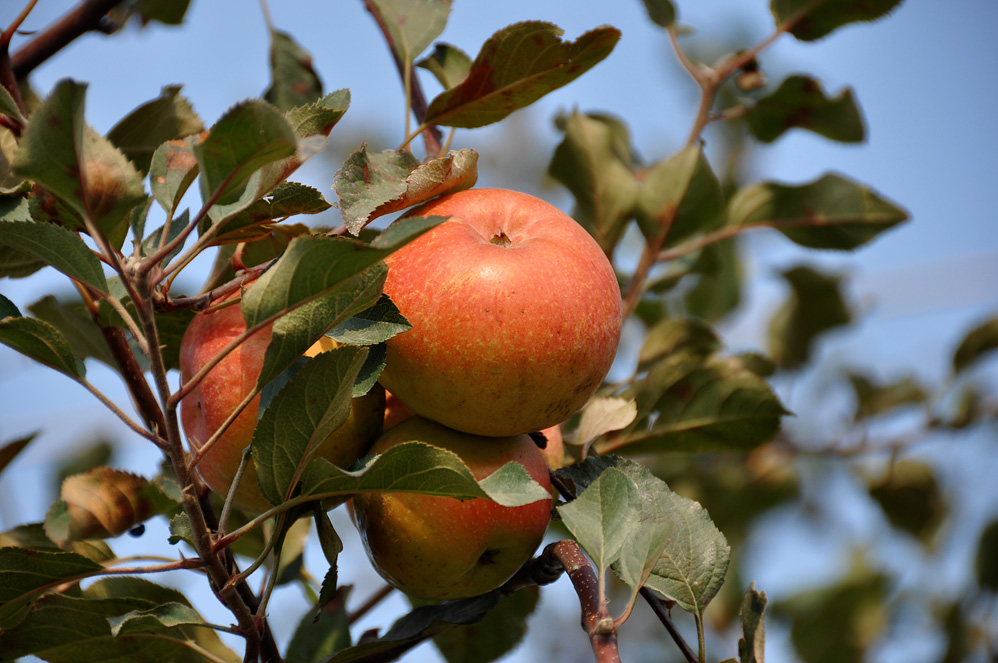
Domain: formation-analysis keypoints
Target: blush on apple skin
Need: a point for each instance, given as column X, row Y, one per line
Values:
column 516, row 315
column 443, row 548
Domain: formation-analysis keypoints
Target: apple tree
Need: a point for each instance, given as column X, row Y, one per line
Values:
column 654, row 485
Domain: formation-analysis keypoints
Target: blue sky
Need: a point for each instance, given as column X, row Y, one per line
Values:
column 923, row 77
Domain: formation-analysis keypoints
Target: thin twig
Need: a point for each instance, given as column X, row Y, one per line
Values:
column 372, row 601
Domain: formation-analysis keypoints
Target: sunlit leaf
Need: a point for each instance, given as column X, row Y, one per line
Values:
column 413, row 24
column 449, row 64
column 518, row 65
column 288, row 199
column 319, row 117
column 172, row 170
column 415, row 467
column 374, row 325
column 603, row 516
column 602, row 416
column 72, row 161
column 249, row 136
column 102, row 503
column 372, row 185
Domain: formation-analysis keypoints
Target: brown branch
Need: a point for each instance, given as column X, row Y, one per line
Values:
column 370, row 603
column 596, row 621
column 431, row 134
column 86, row 17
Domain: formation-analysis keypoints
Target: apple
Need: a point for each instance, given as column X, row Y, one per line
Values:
column 434, row 547
column 515, row 313
column 209, row 404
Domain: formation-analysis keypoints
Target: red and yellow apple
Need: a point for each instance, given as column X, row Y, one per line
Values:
column 434, row 547
column 515, row 314
column 213, row 400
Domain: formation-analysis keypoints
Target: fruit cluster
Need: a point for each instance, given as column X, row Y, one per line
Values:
column 516, row 317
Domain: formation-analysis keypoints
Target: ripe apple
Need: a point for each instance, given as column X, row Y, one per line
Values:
column 204, row 410
column 515, row 314
column 443, row 548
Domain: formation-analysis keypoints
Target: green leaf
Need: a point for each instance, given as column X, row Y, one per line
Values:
column 370, row 186
column 800, row 102
column 248, row 137
column 976, row 344
column 594, row 162
column 10, row 183
column 155, row 619
column 675, row 336
column 314, row 403
column 449, row 64
column 8, row 308
column 172, row 170
column 413, row 24
column 293, row 80
column 80, row 167
column 681, row 195
column 415, row 467
column 873, row 399
column 9, row 107
column 421, row 624
column 603, row 517
column 58, row 624
column 911, row 499
column 168, row 12
column 168, row 117
column 695, row 559
column 832, row 212
column 9, row 451
column 42, row 342
column 25, row 573
column 752, row 644
column 518, row 65
column 701, row 404
column 810, row 20
column 78, row 327
column 374, row 325
column 288, row 199
column 103, row 503
column 56, row 246
column 163, row 236
column 322, row 281
column 839, row 622
column 601, row 416
column 661, row 12
column 717, row 292
column 319, row 118
column 986, row 562
column 815, row 306
column 32, row 535
column 13, row 263
column 321, row 635
column 498, row 633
